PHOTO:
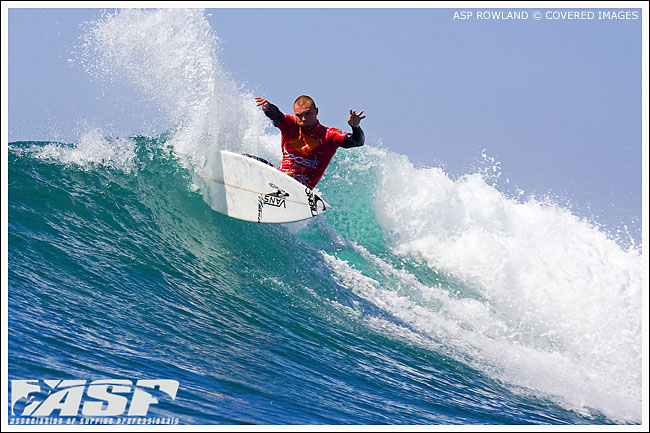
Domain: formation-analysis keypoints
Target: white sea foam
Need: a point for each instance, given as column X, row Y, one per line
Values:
column 553, row 304
column 93, row 149
column 171, row 57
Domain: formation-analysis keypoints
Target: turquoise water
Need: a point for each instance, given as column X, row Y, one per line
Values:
column 127, row 273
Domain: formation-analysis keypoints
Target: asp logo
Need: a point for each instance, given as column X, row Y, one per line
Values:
column 42, row 398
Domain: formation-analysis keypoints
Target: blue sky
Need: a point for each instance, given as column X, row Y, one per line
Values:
column 556, row 101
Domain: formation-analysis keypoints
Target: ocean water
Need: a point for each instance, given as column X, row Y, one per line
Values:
column 420, row 298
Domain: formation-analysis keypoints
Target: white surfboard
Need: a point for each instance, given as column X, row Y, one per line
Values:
column 244, row 188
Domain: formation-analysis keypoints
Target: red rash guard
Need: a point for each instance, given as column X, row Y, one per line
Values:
column 306, row 154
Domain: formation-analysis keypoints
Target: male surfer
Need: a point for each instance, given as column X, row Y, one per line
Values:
column 308, row 146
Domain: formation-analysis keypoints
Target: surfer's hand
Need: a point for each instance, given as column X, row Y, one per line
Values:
column 355, row 118
column 264, row 103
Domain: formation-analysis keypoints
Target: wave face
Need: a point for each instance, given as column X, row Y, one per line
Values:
column 420, row 299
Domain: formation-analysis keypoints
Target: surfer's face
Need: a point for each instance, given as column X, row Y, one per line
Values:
column 306, row 115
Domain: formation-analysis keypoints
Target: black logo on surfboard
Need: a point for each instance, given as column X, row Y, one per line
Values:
column 276, row 198
column 280, row 193
column 313, row 200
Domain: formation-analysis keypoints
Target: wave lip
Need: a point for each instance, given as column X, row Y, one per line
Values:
column 92, row 149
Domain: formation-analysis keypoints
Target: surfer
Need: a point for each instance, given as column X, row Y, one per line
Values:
column 308, row 146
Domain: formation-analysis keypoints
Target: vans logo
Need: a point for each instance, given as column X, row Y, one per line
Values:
column 277, row 197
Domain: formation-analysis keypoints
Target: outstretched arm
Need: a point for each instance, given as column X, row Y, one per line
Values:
column 271, row 111
column 357, row 138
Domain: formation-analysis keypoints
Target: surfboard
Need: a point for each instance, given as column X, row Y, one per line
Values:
column 247, row 189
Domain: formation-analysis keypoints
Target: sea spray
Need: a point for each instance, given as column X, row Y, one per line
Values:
column 93, row 149
column 558, row 303
column 170, row 57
